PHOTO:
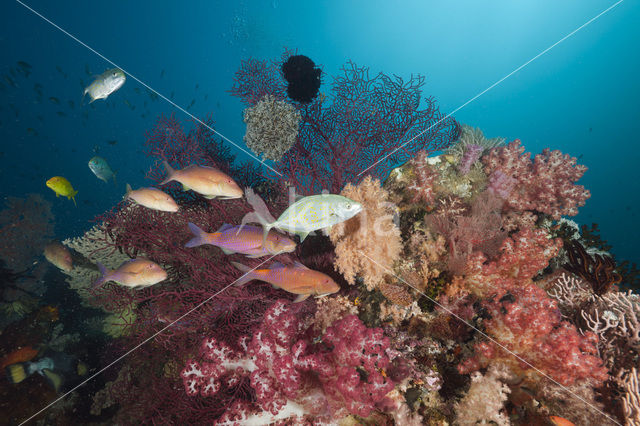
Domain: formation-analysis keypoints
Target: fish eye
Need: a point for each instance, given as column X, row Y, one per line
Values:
column 115, row 74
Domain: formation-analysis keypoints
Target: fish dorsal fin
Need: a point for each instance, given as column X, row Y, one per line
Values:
column 300, row 265
column 225, row 227
column 302, row 235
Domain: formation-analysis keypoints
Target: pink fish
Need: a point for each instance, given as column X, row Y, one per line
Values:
column 206, row 181
column 152, row 198
column 296, row 279
column 132, row 273
column 245, row 240
column 59, row 256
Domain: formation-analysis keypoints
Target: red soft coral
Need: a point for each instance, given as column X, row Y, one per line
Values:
column 527, row 322
column 522, row 256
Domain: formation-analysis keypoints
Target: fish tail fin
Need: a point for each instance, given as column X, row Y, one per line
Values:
column 54, row 379
column 170, row 172
column 16, row 372
column 200, row 236
column 248, row 274
column 104, row 275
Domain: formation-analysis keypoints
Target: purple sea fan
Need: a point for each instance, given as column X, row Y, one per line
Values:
column 471, row 154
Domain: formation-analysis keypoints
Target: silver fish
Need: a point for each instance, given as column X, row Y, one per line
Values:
column 311, row 214
column 105, row 84
column 101, row 169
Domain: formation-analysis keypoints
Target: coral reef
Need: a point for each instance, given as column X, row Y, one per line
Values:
column 459, row 301
column 283, row 369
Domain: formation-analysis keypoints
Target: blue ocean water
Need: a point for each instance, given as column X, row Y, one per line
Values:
column 514, row 69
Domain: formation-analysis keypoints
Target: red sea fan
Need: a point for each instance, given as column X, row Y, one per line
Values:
column 372, row 124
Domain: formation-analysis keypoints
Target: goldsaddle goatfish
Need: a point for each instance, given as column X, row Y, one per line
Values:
column 296, row 279
column 206, row 181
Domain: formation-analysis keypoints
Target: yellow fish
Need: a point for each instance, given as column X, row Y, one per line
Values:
column 62, row 186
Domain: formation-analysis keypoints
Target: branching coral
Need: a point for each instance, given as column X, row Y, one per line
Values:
column 369, row 243
column 631, row 400
column 522, row 256
column 272, row 127
column 570, row 292
column 615, row 318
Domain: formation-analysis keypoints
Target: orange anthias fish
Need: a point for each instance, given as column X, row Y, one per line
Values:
column 296, row 279
column 245, row 240
column 560, row 421
column 59, row 256
column 206, row 181
column 24, row 354
column 133, row 273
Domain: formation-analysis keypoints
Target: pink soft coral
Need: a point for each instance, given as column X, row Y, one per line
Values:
column 527, row 322
column 521, row 257
column 289, row 374
column 545, row 185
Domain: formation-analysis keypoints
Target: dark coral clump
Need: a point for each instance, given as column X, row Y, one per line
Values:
column 303, row 77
